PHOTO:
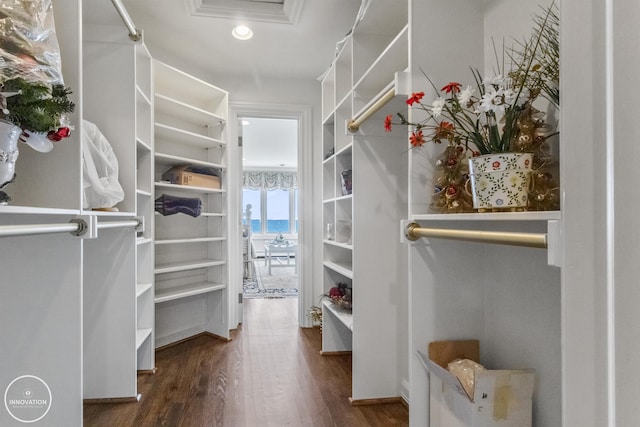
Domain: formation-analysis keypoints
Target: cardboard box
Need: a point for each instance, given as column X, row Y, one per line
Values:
column 178, row 175
column 501, row 398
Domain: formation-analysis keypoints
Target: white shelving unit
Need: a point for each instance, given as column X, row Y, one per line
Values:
column 118, row 302
column 364, row 250
column 191, row 270
column 507, row 297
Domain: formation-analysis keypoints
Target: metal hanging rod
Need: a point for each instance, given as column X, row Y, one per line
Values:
column 26, row 230
column 354, row 124
column 118, row 224
column 134, row 33
column 76, row 226
column 413, row 232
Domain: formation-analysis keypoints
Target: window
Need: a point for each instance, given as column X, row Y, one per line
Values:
column 272, row 211
column 278, row 211
column 252, row 197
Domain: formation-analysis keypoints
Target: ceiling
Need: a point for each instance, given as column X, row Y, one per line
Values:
column 269, row 143
column 302, row 49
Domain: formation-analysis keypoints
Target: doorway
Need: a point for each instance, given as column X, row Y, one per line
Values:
column 279, row 205
column 270, row 203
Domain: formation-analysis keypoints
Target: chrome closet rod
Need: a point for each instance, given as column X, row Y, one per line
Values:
column 103, row 225
column 26, row 230
column 134, row 33
column 75, row 226
column 354, row 124
column 533, row 240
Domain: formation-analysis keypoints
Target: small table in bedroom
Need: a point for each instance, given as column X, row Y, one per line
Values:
column 273, row 250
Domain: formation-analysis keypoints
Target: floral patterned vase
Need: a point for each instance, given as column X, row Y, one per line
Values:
column 500, row 181
column 9, row 135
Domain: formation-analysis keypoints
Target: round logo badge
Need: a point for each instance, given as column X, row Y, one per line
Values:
column 27, row 399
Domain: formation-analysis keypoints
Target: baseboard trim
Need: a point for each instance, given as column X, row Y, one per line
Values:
column 192, row 337
column 135, row 398
column 378, row 401
column 334, row 353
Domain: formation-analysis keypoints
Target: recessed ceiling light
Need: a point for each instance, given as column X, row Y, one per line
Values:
column 242, row 32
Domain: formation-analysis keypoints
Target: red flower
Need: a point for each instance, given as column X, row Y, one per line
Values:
column 496, row 164
column 59, row 134
column 415, row 97
column 387, row 123
column 451, row 87
column 443, row 130
column 417, row 139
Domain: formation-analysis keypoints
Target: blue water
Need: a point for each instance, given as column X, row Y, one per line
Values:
column 273, row 226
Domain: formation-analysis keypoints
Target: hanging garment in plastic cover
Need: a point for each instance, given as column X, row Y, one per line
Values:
column 99, row 170
column 28, row 42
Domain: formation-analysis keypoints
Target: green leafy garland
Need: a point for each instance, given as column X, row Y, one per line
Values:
column 37, row 107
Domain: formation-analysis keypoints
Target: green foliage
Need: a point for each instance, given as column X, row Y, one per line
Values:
column 38, row 107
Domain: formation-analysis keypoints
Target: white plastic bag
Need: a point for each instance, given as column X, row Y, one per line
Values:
column 101, row 188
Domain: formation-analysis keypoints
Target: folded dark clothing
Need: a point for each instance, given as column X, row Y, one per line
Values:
column 170, row 205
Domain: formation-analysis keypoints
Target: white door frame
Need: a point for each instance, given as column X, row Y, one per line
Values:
column 302, row 113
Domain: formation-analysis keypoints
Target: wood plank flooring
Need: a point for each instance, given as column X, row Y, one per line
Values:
column 270, row 374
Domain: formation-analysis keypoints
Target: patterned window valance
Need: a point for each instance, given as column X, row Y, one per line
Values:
column 257, row 180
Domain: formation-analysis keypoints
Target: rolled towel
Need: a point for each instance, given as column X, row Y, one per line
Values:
column 170, row 205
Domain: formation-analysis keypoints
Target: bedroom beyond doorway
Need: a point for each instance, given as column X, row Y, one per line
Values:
column 270, row 202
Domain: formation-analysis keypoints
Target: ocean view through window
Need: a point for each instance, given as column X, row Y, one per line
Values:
column 273, row 211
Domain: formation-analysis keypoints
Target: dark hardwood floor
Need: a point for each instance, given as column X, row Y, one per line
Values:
column 270, row 374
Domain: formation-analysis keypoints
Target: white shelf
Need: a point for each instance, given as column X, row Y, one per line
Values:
column 203, row 214
column 142, row 95
column 394, row 58
column 213, row 214
column 342, row 314
column 190, row 240
column 141, row 288
column 164, row 295
column 36, row 210
column 185, row 137
column 108, row 213
column 343, row 245
column 141, row 336
column 180, row 85
column 143, row 144
column 187, row 265
column 188, row 188
column 141, row 192
column 493, row 216
column 143, row 240
column 171, row 160
column 186, row 112
column 344, row 269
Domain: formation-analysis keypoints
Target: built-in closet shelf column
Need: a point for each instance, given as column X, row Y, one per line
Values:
column 41, row 284
column 119, row 285
column 191, row 265
column 364, row 199
column 145, row 251
column 508, row 297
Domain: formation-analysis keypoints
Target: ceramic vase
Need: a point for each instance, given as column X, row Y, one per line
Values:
column 9, row 136
column 500, row 181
